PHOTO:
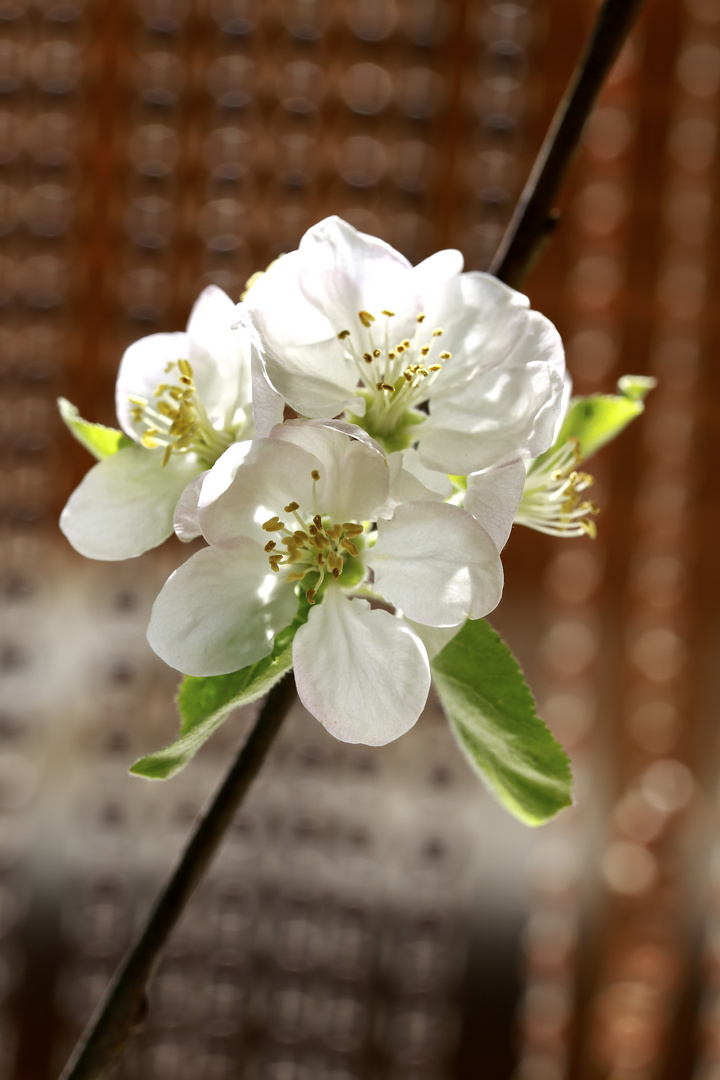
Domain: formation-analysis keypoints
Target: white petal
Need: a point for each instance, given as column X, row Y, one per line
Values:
column 142, row 368
column 434, row 638
column 437, row 564
column 482, row 321
column 316, row 379
column 281, row 312
column 411, row 481
column 433, row 272
column 354, row 477
column 364, row 674
column 268, row 407
column 125, row 504
column 185, row 518
column 210, row 322
column 343, row 272
column 247, row 486
column 220, row 611
column 493, row 498
column 500, row 415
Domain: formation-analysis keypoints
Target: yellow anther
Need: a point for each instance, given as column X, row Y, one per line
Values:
column 406, row 344
column 270, row 545
column 366, row 319
column 425, row 350
column 435, row 367
column 335, row 532
column 291, row 506
column 386, row 386
column 185, row 368
column 376, row 353
column 139, row 401
column 334, row 561
column 169, row 366
column 300, row 536
column 408, row 375
column 315, row 474
column 147, row 439
column 310, row 596
column 421, row 317
column 167, row 455
column 317, row 521
column 343, row 334
column 391, row 356
column 350, row 528
column 399, row 348
column 437, row 332
column 320, row 541
column 422, row 371
column 349, row 547
column 273, row 524
column 367, row 357
column 445, row 355
column 390, row 314
column 296, row 575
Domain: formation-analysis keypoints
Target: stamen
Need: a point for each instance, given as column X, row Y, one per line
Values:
column 445, row 355
column 390, row 314
column 343, row 334
column 366, row 319
column 437, row 332
column 291, row 507
column 273, row 524
column 310, row 596
column 386, row 386
column 315, row 474
column 349, row 547
column 421, row 317
column 367, row 357
column 270, row 545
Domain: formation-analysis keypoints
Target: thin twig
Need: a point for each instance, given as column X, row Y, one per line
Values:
column 533, row 222
column 124, row 1007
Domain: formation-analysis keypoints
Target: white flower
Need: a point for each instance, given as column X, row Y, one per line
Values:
column 455, row 362
column 306, row 505
column 182, row 398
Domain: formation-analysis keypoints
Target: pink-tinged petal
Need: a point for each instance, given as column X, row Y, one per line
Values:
column 185, row 519
column 249, row 485
column 220, row 610
column 142, row 368
column 364, row 674
column 125, row 504
column 411, row 481
column 493, row 498
column 437, row 564
column 354, row 477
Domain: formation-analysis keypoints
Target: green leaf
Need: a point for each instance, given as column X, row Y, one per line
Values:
column 599, row 418
column 206, row 703
column 101, row 441
column 492, row 715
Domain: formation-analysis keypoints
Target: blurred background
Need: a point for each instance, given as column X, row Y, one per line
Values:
column 373, row 915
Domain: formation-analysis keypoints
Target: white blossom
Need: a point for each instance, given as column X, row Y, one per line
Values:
column 313, row 510
column 453, row 362
column 183, row 399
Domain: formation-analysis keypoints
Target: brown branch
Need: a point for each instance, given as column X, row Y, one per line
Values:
column 122, row 1011
column 533, row 221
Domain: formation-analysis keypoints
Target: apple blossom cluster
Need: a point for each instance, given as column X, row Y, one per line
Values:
column 425, row 402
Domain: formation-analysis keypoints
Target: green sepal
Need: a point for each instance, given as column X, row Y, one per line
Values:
column 492, row 714
column 206, row 702
column 599, row 418
column 101, row 441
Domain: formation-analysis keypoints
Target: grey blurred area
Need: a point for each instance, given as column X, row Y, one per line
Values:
column 373, row 914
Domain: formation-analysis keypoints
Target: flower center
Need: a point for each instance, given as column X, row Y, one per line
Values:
column 318, row 546
column 551, row 501
column 177, row 420
column 396, row 375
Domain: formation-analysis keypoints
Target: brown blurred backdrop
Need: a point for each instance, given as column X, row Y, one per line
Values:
column 373, row 916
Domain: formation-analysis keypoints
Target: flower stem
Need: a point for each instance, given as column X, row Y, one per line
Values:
column 123, row 1009
column 534, row 220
